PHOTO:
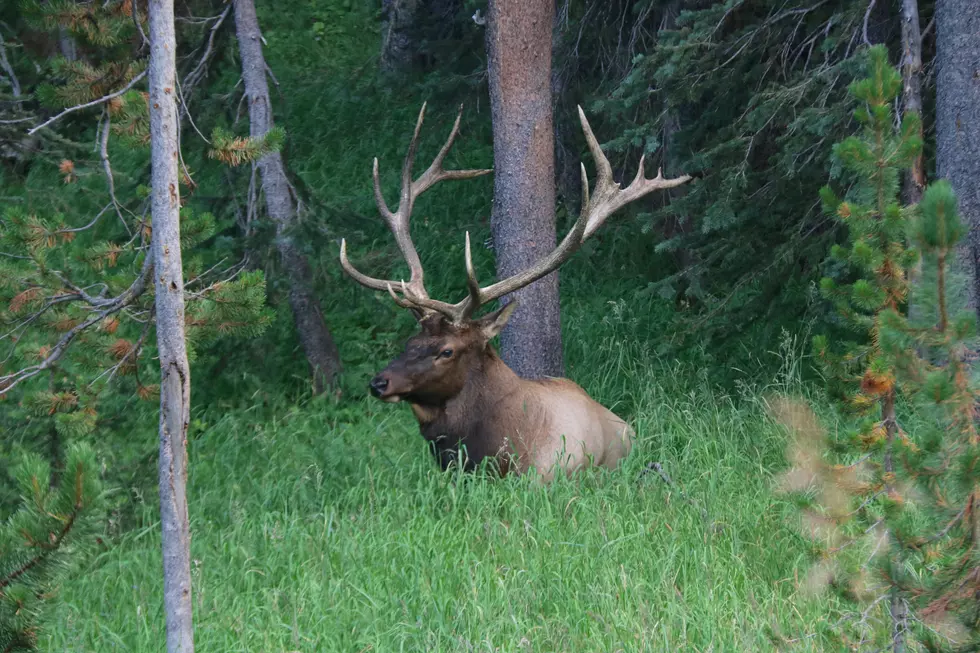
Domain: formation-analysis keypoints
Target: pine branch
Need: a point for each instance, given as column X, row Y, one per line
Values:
column 107, row 307
column 87, row 105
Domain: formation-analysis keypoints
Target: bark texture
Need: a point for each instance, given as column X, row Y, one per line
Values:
column 175, row 378
column 318, row 344
column 958, row 122
column 914, row 180
column 523, row 217
column 397, row 25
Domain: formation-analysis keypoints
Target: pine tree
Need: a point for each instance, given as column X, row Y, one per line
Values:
column 893, row 515
column 44, row 539
column 873, row 293
column 74, row 297
column 941, row 527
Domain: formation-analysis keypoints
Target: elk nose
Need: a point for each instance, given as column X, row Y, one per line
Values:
column 378, row 385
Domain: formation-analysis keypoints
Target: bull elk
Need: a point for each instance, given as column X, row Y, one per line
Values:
column 462, row 394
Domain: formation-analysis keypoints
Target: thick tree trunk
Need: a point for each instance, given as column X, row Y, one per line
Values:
column 175, row 377
column 318, row 344
column 958, row 123
column 397, row 23
column 523, row 217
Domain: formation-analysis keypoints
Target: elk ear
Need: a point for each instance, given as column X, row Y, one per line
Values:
column 493, row 323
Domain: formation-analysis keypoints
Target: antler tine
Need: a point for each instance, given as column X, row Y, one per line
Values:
column 475, row 298
column 603, row 168
column 436, row 173
column 359, row 277
column 413, row 293
column 609, row 197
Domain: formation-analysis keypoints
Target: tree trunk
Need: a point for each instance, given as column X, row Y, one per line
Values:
column 398, row 21
column 318, row 344
column 175, row 378
column 915, row 178
column 958, row 123
column 523, row 217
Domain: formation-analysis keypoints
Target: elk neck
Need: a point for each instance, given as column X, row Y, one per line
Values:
column 475, row 418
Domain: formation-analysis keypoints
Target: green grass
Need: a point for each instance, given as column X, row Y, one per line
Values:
column 327, row 528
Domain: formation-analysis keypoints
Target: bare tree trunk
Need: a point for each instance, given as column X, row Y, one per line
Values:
column 523, row 217
column 175, row 377
column 915, row 178
column 958, row 123
column 318, row 344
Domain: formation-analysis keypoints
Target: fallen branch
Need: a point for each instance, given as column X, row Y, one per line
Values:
column 662, row 473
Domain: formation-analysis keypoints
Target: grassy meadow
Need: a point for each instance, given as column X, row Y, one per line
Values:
column 321, row 527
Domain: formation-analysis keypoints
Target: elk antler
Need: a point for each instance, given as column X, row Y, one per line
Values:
column 607, row 198
column 398, row 221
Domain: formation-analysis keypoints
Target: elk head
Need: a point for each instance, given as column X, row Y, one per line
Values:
column 451, row 342
column 436, row 362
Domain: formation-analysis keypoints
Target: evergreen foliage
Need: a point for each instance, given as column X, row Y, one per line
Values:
column 45, row 538
column 75, row 301
column 745, row 95
column 892, row 516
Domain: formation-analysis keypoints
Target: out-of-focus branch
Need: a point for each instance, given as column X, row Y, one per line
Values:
column 195, row 75
column 7, row 68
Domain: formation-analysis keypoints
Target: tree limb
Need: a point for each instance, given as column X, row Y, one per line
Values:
column 7, row 68
column 87, row 105
column 108, row 307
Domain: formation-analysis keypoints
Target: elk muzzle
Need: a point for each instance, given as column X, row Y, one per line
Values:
column 386, row 388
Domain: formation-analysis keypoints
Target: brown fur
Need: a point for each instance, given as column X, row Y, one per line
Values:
column 471, row 400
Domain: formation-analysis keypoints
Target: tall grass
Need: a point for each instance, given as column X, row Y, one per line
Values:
column 328, row 528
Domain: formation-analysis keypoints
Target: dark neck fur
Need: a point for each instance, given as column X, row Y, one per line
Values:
column 469, row 419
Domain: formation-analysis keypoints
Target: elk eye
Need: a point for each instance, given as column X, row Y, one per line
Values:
column 445, row 353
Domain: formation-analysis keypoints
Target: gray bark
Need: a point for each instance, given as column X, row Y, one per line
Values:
column 523, row 216
column 398, row 21
column 67, row 45
column 318, row 344
column 958, row 124
column 175, row 378
column 914, row 178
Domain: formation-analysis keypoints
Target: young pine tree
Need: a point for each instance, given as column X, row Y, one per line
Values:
column 893, row 512
column 42, row 540
column 76, row 297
